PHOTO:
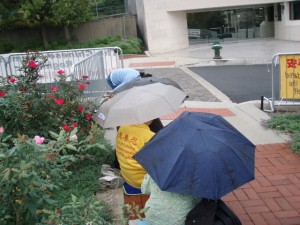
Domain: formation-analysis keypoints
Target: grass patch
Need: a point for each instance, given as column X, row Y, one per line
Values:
column 289, row 123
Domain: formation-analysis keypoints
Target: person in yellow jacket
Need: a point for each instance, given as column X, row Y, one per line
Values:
column 130, row 140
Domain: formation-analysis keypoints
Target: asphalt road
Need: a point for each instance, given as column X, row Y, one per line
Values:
column 241, row 83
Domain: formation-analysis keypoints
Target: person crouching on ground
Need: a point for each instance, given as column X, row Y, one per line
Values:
column 130, row 140
column 166, row 207
column 121, row 76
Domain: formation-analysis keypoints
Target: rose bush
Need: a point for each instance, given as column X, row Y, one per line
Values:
column 28, row 106
column 49, row 144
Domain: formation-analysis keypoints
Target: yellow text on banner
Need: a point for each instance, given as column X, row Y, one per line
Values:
column 290, row 76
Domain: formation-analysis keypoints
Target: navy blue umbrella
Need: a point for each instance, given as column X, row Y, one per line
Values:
column 199, row 154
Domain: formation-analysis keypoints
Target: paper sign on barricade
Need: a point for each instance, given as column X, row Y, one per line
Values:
column 290, row 76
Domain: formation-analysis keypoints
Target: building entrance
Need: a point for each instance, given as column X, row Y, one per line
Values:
column 225, row 25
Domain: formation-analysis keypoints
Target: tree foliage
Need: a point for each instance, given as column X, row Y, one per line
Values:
column 62, row 13
column 8, row 7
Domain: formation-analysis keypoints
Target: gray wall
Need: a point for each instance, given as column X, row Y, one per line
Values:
column 124, row 26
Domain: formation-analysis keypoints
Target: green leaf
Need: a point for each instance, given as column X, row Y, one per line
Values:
column 71, row 147
column 22, row 165
column 46, row 211
column 54, row 135
column 74, row 198
column 74, row 131
column 50, row 201
column 144, row 210
column 6, row 138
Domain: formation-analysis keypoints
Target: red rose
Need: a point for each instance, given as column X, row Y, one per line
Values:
column 2, row 94
column 74, row 124
column 80, row 108
column 88, row 116
column 60, row 72
column 32, row 65
column 54, row 89
column 81, row 87
column 66, row 127
column 50, row 96
column 59, row 101
column 12, row 80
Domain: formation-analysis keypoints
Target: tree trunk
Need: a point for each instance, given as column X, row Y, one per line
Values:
column 67, row 33
column 44, row 35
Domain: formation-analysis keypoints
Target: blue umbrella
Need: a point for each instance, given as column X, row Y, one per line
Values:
column 199, row 154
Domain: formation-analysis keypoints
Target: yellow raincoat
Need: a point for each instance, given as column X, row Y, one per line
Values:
column 130, row 139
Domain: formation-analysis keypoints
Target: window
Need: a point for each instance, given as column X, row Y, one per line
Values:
column 295, row 10
column 279, row 14
column 270, row 13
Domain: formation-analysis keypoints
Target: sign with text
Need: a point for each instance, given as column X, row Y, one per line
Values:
column 194, row 33
column 290, row 76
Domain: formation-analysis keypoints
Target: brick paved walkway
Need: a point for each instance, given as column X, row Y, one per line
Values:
column 273, row 198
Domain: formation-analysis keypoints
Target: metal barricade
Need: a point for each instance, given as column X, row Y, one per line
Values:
column 61, row 59
column 3, row 67
column 289, row 81
column 97, row 67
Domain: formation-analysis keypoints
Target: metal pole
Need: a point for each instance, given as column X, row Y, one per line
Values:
column 273, row 94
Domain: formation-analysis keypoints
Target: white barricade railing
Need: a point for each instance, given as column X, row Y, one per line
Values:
column 95, row 63
column 3, row 67
column 61, row 59
column 97, row 67
column 289, row 80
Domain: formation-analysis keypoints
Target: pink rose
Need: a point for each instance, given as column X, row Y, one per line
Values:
column 39, row 140
column 2, row 130
column 73, row 137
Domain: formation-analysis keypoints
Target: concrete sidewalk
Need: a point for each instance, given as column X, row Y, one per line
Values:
column 273, row 198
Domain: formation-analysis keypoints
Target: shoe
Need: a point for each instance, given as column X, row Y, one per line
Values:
column 106, row 170
column 112, row 182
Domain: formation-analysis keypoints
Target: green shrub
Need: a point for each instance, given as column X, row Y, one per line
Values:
column 129, row 45
column 33, row 177
column 289, row 123
column 5, row 47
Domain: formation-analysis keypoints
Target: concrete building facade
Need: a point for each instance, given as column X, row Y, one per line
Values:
column 163, row 23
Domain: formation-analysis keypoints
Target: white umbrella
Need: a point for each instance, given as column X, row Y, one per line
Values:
column 139, row 104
